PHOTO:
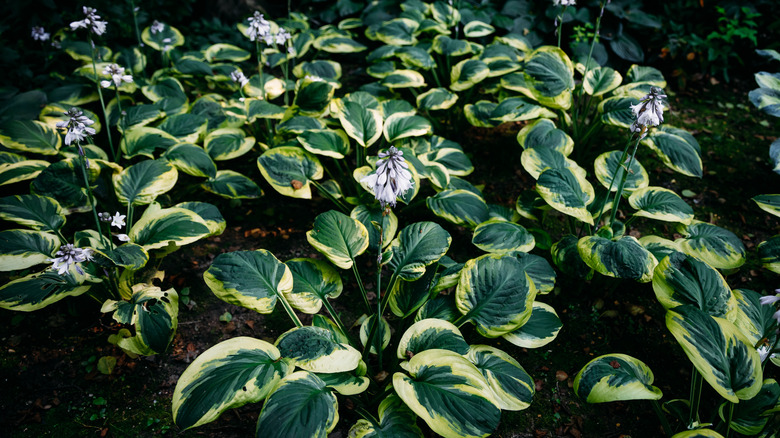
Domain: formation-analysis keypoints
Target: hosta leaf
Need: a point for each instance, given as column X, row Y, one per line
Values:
column 449, row 393
column 64, row 181
column 289, row 170
column 429, row 334
column 37, row 291
column 21, row 171
column 34, row 211
column 327, row 142
column 228, row 375
column 417, row 246
column 753, row 318
column 415, row 57
column 300, row 405
column 312, row 95
column 766, row 100
column 192, row 160
column 646, row 75
column 549, row 76
column 396, row 420
column 539, row 159
column 403, row 79
column 209, row 213
column 225, row 52
column 502, row 237
column 459, row 206
column 468, row 73
column 444, row 45
column 542, row 133
column 227, row 143
column 719, row 247
column 616, row 111
column 615, row 377
column 382, row 335
column 622, row 258
column 338, row 44
column 768, row 203
column 445, row 13
column 365, row 215
column 127, row 256
column 682, row 279
column 540, row 329
column 718, row 350
column 677, row 149
column 408, row 296
column 314, row 281
column 769, row 252
column 315, row 349
column 252, row 279
column 454, row 161
column 495, row 294
column 442, row 307
column 160, row 227
column 513, row 389
column 601, row 80
column 30, row 136
column 187, row 128
column 325, row 69
column 262, row 109
column 609, row 171
column 141, row 183
column 567, row 191
column 751, row 416
column 361, row 123
column 398, row 32
column 232, row 185
column 144, row 140
column 399, row 126
column 162, row 40
column 626, row 47
column 476, row 29
column 660, row 204
column 436, row 99
column 155, row 316
column 339, row 237
column 21, row 249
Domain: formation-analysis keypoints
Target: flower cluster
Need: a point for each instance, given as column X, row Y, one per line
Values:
column 39, row 34
column 238, row 76
column 77, row 126
column 649, row 111
column 391, row 179
column 70, row 255
column 260, row 29
column 92, row 22
column 117, row 75
column 156, row 27
column 564, row 2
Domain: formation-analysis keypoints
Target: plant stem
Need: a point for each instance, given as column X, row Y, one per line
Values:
column 90, row 196
column 344, row 209
column 290, row 311
column 138, row 37
column 661, row 417
column 102, row 102
column 260, row 69
column 731, row 415
column 695, row 396
column 623, row 178
column 362, row 287
column 334, row 315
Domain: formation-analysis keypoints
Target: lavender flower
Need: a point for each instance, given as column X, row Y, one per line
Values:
column 156, row 27
column 70, row 255
column 649, row 111
column 39, row 34
column 238, row 76
column 282, row 36
column 117, row 74
column 77, row 126
column 92, row 22
column 770, row 300
column 391, row 179
column 259, row 28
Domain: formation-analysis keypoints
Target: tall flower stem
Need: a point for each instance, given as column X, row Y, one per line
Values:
column 661, row 418
column 695, row 396
column 560, row 25
column 290, row 311
column 138, row 36
column 102, row 102
column 260, row 69
column 362, row 287
column 623, row 178
column 611, row 183
column 119, row 109
column 90, row 196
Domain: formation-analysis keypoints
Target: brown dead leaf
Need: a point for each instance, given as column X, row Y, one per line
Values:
column 297, row 185
column 561, row 375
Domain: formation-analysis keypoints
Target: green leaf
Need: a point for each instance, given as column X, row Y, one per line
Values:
column 660, row 204
column 314, row 281
column 626, row 47
column 415, row 57
column 232, row 185
column 338, row 44
column 428, row 334
column 209, row 213
column 35, row 211
column 144, row 140
column 142, row 183
column 398, row 32
column 766, row 100
column 160, row 227
column 682, row 279
column 541, row 329
column 567, row 191
column 549, row 77
column 616, row 111
column 468, row 73
column 444, row 45
column 127, row 256
column 754, row 319
column 396, row 420
column 251, row 279
column 719, row 247
column 566, row 256
column 677, row 149
column 449, row 393
column 408, row 296
column 339, row 237
column 403, row 79
column 476, row 29
column 769, row 252
column 322, row 68
column 228, row 375
column 327, row 142
column 751, row 416
column 312, row 95
column 192, row 160
column 609, row 171
column 436, row 99
column 615, row 377
column 366, row 215
column 301, row 405
column 30, row 136
column 37, row 291
column 495, row 293
column 316, row 349
column 227, row 144
column 21, row 249
column 768, row 203
column 363, row 124
column 290, row 170
column 64, row 181
column 459, row 206
column 718, row 350
column 513, row 389
column 601, row 80
column 539, row 159
column 418, row 246
column 155, row 316
column 542, row 133
column 501, row 237
column 187, row 128
column 382, row 335
column 622, row 258
column 225, row 52
column 399, row 126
